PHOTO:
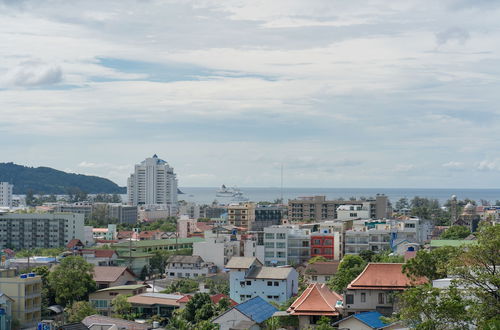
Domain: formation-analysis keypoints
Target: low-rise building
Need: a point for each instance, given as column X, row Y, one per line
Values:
column 100, row 322
column 321, row 271
column 248, row 279
column 188, row 266
column 26, row 292
column 101, row 299
column 250, row 314
column 374, row 288
column 162, row 304
column 327, row 245
column 353, row 212
column 315, row 302
column 286, row 244
column 6, row 314
column 99, row 257
column 367, row 321
column 110, row 276
column 241, row 215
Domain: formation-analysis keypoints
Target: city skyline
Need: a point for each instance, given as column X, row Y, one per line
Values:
column 369, row 94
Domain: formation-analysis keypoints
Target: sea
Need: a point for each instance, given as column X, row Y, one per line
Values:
column 207, row 195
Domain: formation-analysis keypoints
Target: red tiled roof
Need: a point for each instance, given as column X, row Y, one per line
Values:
column 104, row 253
column 217, row 297
column 322, row 268
column 74, row 242
column 106, row 241
column 121, row 324
column 109, row 273
column 383, row 276
column 203, row 226
column 317, row 299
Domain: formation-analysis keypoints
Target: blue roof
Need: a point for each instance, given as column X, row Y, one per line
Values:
column 257, row 309
column 371, row 319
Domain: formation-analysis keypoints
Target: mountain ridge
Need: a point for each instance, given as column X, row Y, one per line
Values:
column 47, row 180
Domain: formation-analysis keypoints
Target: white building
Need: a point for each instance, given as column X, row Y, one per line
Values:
column 351, row 212
column 153, row 182
column 249, row 279
column 40, row 230
column 188, row 266
column 286, row 244
column 6, row 194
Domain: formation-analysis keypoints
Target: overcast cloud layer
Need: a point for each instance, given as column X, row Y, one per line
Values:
column 370, row 93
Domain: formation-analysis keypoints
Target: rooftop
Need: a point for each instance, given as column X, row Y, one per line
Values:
column 451, row 242
column 382, row 276
column 159, row 242
column 156, row 299
column 274, row 273
column 322, row 268
column 256, row 309
column 371, row 319
column 121, row 324
column 109, row 273
column 123, row 287
column 184, row 259
column 317, row 299
column 242, row 262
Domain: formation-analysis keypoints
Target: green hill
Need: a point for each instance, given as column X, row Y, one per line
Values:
column 46, row 180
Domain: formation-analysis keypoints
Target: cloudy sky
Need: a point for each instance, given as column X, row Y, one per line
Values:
column 370, row 93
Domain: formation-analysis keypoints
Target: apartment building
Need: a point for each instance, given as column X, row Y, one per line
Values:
column 248, row 278
column 326, row 245
column 241, row 215
column 6, row 194
column 26, row 292
column 267, row 215
column 318, row 208
column 188, row 266
column 286, row 244
column 153, row 182
column 39, row 230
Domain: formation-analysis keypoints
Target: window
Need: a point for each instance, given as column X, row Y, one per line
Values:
column 269, row 236
column 327, row 278
column 100, row 303
column 349, row 299
column 269, row 283
column 242, row 297
column 280, row 245
column 317, row 242
column 242, row 283
column 363, row 297
column 280, row 254
column 381, row 298
column 314, row 278
column 305, row 243
column 269, row 254
column 269, row 245
column 249, row 282
column 409, row 225
column 281, row 236
column 328, row 242
column 328, row 251
column 276, row 283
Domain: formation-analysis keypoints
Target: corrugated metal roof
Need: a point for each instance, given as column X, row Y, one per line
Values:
column 257, row 309
column 372, row 319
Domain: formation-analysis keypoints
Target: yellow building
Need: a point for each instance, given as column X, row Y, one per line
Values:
column 241, row 215
column 26, row 291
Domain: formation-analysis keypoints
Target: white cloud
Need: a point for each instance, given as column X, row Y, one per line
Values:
column 32, row 73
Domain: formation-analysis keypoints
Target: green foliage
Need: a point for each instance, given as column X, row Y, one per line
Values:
column 80, row 310
column 176, row 322
column 426, row 208
column 46, row 252
column 45, row 180
column 107, row 198
column 456, row 232
column 324, row 323
column 206, row 325
column 144, row 273
column 198, row 308
column 431, row 264
column 183, row 285
column 349, row 268
column 71, row 280
column 272, row 323
column 317, row 259
column 217, row 286
column 402, row 204
column 385, row 256
column 367, row 255
column 48, row 296
column 121, row 307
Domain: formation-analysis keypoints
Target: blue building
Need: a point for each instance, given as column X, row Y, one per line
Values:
column 248, row 278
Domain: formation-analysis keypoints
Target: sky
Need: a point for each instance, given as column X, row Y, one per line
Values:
column 371, row 93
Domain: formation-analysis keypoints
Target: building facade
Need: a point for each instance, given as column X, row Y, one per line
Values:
column 267, row 215
column 153, row 182
column 39, row 230
column 326, row 245
column 285, row 245
column 241, row 215
column 318, row 208
column 6, row 194
column 26, row 292
column 188, row 267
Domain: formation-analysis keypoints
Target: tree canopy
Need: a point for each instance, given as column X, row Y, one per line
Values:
column 80, row 310
column 456, row 232
column 350, row 267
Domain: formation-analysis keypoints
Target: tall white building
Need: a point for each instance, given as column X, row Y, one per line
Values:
column 153, row 182
column 6, row 194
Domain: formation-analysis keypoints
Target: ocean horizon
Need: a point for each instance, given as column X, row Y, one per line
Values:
column 206, row 195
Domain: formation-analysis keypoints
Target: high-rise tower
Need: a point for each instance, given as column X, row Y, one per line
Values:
column 153, row 182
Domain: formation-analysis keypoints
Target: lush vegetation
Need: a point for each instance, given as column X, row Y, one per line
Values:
column 45, row 252
column 45, row 180
column 349, row 268
column 456, row 232
column 183, row 285
column 167, row 225
column 472, row 299
column 80, row 310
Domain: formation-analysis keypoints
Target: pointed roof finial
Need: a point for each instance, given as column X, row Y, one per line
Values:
column 155, row 156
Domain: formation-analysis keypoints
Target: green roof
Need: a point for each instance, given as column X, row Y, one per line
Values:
column 134, row 254
column 159, row 242
column 123, row 287
column 451, row 242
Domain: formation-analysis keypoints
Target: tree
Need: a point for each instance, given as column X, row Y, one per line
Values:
column 388, row 257
column 350, row 267
column 197, row 304
column 324, row 323
column 402, row 204
column 121, row 306
column 80, row 310
column 431, row 264
column 367, row 255
column 30, row 198
column 317, row 259
column 71, row 280
column 456, row 232
column 144, row 273
column 183, row 285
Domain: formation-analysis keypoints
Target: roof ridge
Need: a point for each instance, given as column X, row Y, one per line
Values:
column 324, row 298
column 310, row 288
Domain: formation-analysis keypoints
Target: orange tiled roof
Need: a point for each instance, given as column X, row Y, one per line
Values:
column 317, row 299
column 383, row 276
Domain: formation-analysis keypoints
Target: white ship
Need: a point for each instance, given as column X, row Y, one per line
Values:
column 239, row 197
column 225, row 192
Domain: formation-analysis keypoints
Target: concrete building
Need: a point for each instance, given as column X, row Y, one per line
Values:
column 250, row 315
column 267, row 215
column 188, row 266
column 286, row 245
column 101, row 299
column 190, row 209
column 241, row 215
column 326, row 245
column 374, row 288
column 154, row 212
column 26, row 291
column 153, row 182
column 39, row 230
column 6, row 314
column 318, row 208
column 122, row 213
column 6, row 194
column 249, row 279
column 110, row 276
column 84, row 208
column 353, row 212
column 321, row 271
